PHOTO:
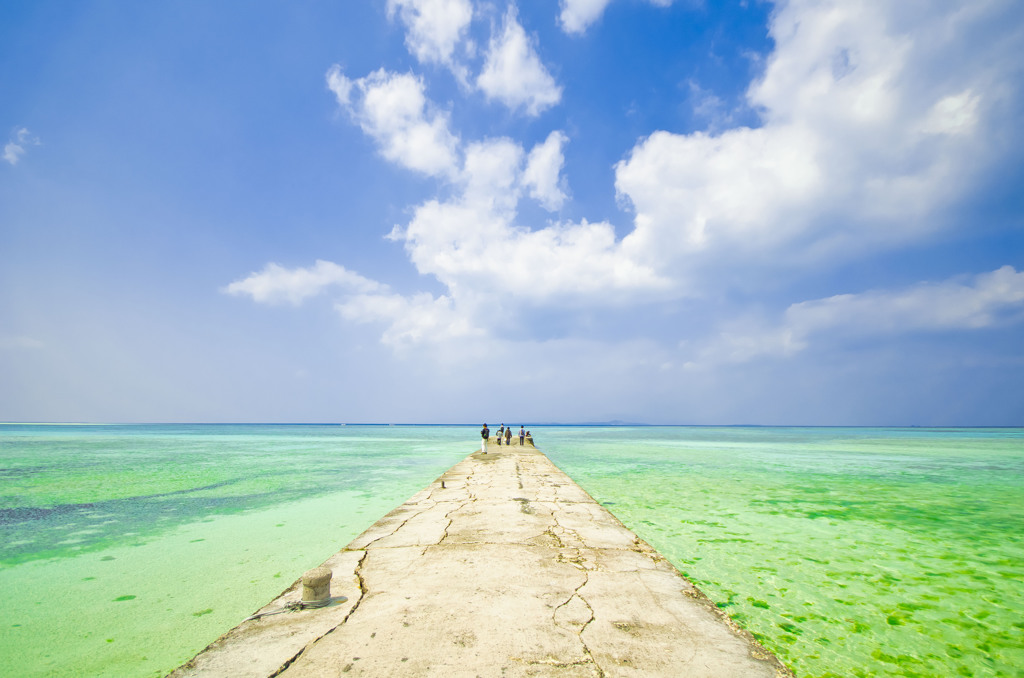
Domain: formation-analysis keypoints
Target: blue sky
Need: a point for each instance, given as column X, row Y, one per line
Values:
column 457, row 211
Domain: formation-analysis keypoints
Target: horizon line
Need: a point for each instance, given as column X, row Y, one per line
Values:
column 593, row 424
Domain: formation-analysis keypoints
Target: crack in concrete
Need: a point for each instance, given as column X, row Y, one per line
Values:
column 577, row 561
column 583, row 628
column 448, row 517
column 567, row 530
column 559, row 544
column 393, row 532
column 553, row 662
column 583, row 642
column 284, row 667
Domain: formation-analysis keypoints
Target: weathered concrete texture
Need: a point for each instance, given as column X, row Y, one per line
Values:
column 510, row 569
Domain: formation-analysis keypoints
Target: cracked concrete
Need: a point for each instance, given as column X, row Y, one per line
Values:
column 502, row 567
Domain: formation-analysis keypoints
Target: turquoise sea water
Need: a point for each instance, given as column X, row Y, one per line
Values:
column 850, row 552
column 124, row 550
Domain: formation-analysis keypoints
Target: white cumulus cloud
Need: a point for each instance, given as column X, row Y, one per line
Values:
column 471, row 241
column 393, row 109
column 473, row 244
column 513, row 73
column 543, row 173
column 873, row 120
column 578, row 14
column 433, row 27
column 874, row 117
column 489, row 264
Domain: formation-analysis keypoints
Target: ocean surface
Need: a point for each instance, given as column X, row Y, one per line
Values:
column 124, row 550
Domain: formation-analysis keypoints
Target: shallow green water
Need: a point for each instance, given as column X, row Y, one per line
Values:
column 848, row 552
column 124, row 550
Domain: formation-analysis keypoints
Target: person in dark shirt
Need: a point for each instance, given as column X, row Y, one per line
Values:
column 485, row 433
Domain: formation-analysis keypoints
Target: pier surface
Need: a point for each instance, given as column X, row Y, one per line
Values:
column 502, row 567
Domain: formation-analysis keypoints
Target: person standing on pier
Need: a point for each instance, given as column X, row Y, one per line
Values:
column 508, row 436
column 522, row 435
column 485, row 433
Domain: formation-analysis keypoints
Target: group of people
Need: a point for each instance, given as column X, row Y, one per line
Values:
column 503, row 432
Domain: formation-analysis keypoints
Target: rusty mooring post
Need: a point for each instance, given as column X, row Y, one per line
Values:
column 316, row 587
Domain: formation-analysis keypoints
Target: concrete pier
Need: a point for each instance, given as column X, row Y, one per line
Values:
column 502, row 567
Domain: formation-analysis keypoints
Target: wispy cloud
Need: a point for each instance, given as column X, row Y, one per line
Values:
column 19, row 343
column 411, row 320
column 20, row 139
column 276, row 284
column 710, row 108
column 960, row 304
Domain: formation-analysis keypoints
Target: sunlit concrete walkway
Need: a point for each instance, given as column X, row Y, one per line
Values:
column 502, row 567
